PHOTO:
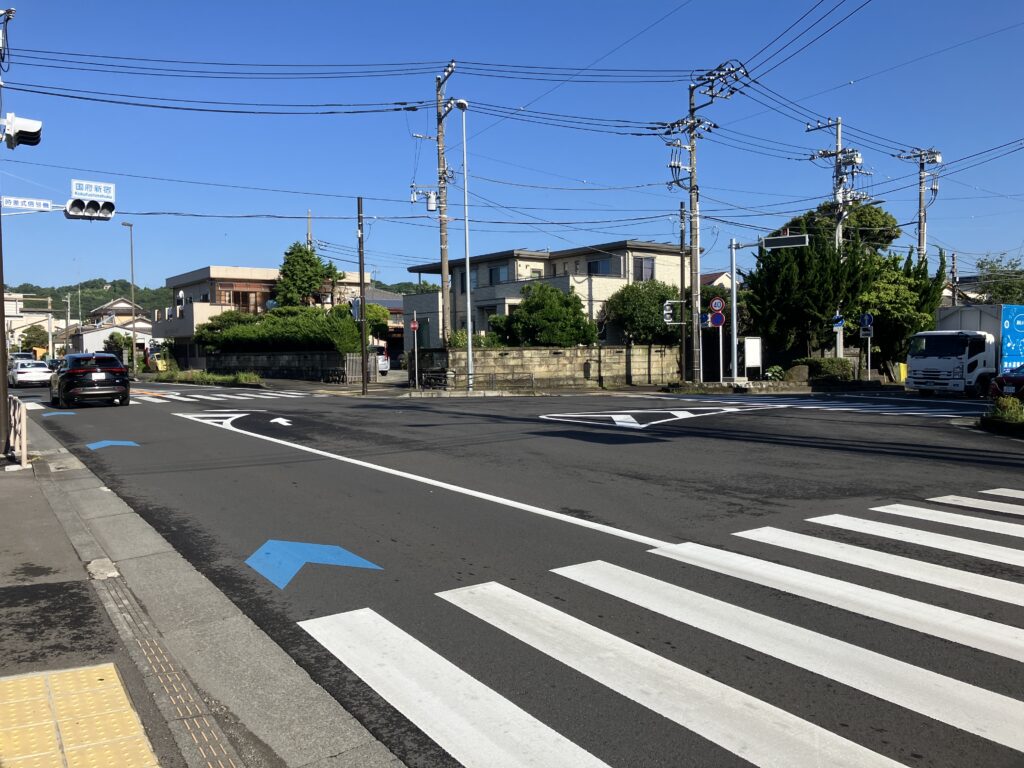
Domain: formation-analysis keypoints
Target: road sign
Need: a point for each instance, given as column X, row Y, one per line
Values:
column 867, row 320
column 101, row 191
column 837, row 323
column 786, row 241
column 867, row 332
column 717, row 319
column 704, row 320
column 414, row 325
column 27, row 204
column 717, row 304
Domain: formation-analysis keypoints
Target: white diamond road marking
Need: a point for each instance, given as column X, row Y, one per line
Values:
column 975, row 710
column 473, row 723
column 769, row 736
column 974, row 632
column 634, row 419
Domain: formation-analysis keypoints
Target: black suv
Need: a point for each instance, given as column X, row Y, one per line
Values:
column 89, row 376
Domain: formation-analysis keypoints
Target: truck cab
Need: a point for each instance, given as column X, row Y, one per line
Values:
column 961, row 362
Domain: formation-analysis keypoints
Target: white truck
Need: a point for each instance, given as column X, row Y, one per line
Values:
column 969, row 347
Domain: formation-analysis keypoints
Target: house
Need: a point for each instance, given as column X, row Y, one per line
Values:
column 22, row 311
column 116, row 316
column 592, row 272
column 717, row 279
column 204, row 293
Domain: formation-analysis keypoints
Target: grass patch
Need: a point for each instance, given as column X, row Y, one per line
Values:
column 239, row 379
column 1006, row 417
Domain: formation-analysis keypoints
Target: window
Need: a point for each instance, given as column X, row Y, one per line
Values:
column 536, row 274
column 204, row 297
column 498, row 274
column 975, row 347
column 599, row 267
column 462, row 282
column 643, row 268
column 473, row 278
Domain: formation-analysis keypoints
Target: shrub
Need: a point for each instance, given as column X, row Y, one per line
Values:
column 1008, row 409
column 830, row 368
column 775, row 373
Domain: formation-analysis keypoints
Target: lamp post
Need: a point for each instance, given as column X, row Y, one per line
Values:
column 463, row 106
column 131, row 251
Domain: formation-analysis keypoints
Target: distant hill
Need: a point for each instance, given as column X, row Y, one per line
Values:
column 407, row 287
column 96, row 292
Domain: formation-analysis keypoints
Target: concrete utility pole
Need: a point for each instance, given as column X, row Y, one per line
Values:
column 682, row 290
column 923, row 156
column 714, row 83
column 309, row 228
column 442, row 198
column 956, row 279
column 5, row 427
column 361, row 323
column 131, row 246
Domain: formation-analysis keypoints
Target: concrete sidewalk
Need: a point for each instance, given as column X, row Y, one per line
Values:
column 93, row 600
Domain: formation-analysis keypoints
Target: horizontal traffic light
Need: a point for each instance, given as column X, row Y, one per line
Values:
column 21, row 130
column 91, row 210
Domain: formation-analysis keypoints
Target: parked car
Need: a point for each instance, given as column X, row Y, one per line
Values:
column 28, row 373
column 13, row 357
column 1009, row 384
column 90, row 376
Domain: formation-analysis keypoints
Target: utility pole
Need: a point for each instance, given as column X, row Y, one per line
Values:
column 847, row 165
column 682, row 291
column 716, row 83
column 309, row 228
column 362, row 296
column 5, row 427
column 67, row 321
column 442, row 197
column 922, row 156
column 956, row 279
column 49, row 326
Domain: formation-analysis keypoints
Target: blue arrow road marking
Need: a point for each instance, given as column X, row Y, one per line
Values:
column 59, row 413
column 108, row 443
column 278, row 561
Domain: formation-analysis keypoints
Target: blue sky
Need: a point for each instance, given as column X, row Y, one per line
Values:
column 532, row 185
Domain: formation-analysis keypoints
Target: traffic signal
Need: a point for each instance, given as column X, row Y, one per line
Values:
column 21, row 130
column 667, row 313
column 91, row 210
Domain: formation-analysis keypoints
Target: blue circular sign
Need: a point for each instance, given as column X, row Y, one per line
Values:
column 717, row 319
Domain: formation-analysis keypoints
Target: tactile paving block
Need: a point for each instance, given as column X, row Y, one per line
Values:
column 73, row 681
column 49, row 760
column 82, row 731
column 125, row 753
column 21, row 688
column 28, row 740
column 88, row 703
column 15, row 714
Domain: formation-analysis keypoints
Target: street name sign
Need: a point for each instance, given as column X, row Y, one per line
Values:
column 786, row 241
column 100, row 191
column 27, row 204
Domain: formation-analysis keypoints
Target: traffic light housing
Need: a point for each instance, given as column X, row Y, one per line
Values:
column 21, row 130
column 667, row 313
column 89, row 210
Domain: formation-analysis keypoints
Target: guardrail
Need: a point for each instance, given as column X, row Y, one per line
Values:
column 17, row 443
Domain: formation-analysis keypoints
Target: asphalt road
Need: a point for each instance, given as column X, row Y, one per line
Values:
column 465, row 642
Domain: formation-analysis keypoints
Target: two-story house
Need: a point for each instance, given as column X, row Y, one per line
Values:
column 496, row 280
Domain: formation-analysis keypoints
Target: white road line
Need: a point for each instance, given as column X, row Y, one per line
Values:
column 207, row 397
column 985, row 635
column 30, row 406
column 148, row 399
column 967, row 547
column 896, row 565
column 968, row 707
column 984, row 504
column 474, row 724
column 169, row 396
column 1008, row 492
column 225, row 396
column 601, row 527
column 748, row 727
column 282, row 394
column 949, row 518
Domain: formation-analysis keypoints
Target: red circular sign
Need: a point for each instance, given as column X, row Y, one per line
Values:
column 414, row 325
column 717, row 304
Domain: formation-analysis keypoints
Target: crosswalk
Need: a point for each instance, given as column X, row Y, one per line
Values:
column 164, row 398
column 483, row 726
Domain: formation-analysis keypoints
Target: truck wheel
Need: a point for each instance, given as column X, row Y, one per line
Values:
column 981, row 388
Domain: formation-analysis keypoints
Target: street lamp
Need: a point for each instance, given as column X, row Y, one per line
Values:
column 131, row 251
column 463, row 106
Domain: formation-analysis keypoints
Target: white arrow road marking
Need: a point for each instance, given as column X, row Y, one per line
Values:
column 282, row 422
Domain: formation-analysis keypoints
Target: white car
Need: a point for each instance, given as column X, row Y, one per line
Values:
column 27, row 373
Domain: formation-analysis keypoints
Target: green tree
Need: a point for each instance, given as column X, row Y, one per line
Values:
column 209, row 334
column 34, row 336
column 377, row 318
column 407, row 287
column 793, row 293
column 302, row 277
column 636, row 309
column 1001, row 279
column 546, row 317
column 117, row 342
column 900, row 302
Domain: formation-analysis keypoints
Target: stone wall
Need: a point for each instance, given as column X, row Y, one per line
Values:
column 576, row 367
